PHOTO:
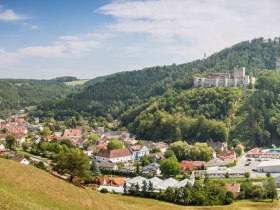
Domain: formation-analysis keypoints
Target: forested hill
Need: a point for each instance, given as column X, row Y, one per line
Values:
column 115, row 94
column 20, row 93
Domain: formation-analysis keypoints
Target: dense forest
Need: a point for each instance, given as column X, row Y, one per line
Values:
column 160, row 103
column 21, row 93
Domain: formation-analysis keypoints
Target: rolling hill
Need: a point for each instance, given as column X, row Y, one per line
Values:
column 28, row 188
column 116, row 93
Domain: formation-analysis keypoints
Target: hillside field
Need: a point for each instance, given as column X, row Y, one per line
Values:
column 76, row 82
column 25, row 187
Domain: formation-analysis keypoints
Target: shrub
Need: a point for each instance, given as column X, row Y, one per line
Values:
column 104, row 190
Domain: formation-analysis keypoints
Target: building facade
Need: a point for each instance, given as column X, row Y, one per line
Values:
column 239, row 78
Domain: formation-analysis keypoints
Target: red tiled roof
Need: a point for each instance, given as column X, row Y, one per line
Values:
column 72, row 132
column 17, row 158
column 114, row 153
column 186, row 166
column 119, row 181
column 227, row 154
column 233, row 187
column 191, row 165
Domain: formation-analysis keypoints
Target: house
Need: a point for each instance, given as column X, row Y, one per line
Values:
column 213, row 153
column 100, row 130
column 139, row 151
column 13, row 128
column 156, row 156
column 108, row 166
column 218, row 146
column 20, row 139
column 227, row 154
column 110, row 181
column 89, row 152
column 78, row 141
column 2, row 147
column 277, row 181
column 21, row 159
column 220, row 172
column 218, row 162
column 32, row 128
column 35, row 139
column 241, row 147
column 102, row 144
column 128, row 169
column 234, row 188
column 160, row 145
column 152, row 168
column 192, row 165
column 72, row 133
column 3, row 136
column 115, row 156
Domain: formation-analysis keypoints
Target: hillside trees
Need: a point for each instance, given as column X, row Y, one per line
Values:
column 114, row 144
column 169, row 167
column 198, row 151
column 11, row 141
column 74, row 162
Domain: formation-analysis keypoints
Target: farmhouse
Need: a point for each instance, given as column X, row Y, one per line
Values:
column 21, row 159
column 117, row 155
column 139, row 151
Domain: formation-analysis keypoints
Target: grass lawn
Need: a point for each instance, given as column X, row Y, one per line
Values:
column 76, row 82
column 26, row 187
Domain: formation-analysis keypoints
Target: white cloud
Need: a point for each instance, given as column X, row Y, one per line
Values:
column 44, row 51
column 8, row 58
column 10, row 16
column 193, row 27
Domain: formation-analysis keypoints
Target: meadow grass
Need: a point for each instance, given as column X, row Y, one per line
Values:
column 26, row 187
column 76, row 82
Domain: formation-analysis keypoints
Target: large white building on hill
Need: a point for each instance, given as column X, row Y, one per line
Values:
column 239, row 78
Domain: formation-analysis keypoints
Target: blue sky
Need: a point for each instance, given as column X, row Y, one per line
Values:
column 50, row 38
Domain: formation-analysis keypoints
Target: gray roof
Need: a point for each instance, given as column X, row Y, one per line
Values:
column 277, row 179
column 166, row 183
column 107, row 165
column 138, row 179
column 183, row 183
column 155, row 180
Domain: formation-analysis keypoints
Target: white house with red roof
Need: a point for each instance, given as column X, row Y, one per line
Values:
column 114, row 156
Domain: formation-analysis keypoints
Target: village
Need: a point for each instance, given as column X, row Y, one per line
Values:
column 119, row 160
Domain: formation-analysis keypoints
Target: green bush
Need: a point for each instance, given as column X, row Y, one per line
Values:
column 104, row 190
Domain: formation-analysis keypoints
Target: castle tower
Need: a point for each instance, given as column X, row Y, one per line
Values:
column 277, row 64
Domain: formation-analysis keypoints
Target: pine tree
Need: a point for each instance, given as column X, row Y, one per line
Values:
column 150, row 187
column 94, row 167
column 125, row 188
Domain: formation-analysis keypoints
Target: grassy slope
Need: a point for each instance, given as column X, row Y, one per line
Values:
column 25, row 187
